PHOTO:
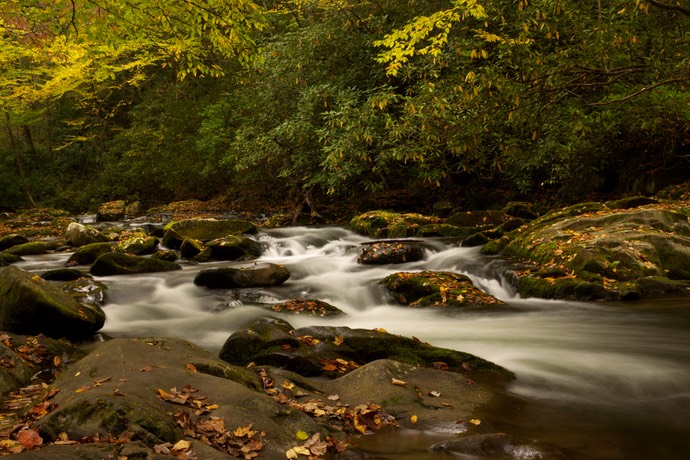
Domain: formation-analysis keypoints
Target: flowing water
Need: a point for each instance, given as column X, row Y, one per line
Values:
column 608, row 380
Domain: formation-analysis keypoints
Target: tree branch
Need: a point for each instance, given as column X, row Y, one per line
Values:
column 640, row 91
column 675, row 7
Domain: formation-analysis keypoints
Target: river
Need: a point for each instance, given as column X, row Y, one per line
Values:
column 610, row 380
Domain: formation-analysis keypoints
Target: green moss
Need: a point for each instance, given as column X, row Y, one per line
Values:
column 387, row 224
column 28, row 249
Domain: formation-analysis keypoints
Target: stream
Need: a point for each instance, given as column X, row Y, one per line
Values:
column 609, row 380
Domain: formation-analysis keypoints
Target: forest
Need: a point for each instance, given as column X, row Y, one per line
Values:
column 271, row 102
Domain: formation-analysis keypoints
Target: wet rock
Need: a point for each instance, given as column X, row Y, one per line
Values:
column 631, row 202
column 524, row 210
column 87, row 254
column 7, row 259
column 476, row 239
column 169, row 256
column 80, row 235
column 138, row 245
column 312, row 307
column 390, row 252
column 144, row 383
column 386, row 224
column 63, row 274
column 86, row 290
column 602, row 253
column 477, row 218
column 30, row 305
column 13, row 239
column 116, row 263
column 203, row 230
column 234, row 247
column 501, row 446
column 248, row 275
column 111, row 211
column 437, row 289
column 28, row 249
column 335, row 351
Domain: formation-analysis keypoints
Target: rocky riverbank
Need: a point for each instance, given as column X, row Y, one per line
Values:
column 277, row 391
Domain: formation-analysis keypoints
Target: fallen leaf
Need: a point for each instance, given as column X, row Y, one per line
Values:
column 435, row 394
column 190, row 367
column 338, row 340
column 83, row 389
column 29, row 438
column 413, row 419
column 333, row 397
column 145, row 369
column 397, row 382
column 288, row 385
column 475, row 421
column 182, row 445
column 99, row 382
column 302, row 435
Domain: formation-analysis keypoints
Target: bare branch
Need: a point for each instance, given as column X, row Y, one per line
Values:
column 675, row 7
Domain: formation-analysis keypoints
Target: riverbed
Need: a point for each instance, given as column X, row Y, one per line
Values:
column 608, row 380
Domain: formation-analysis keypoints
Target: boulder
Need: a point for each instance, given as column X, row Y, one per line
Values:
column 80, row 235
column 63, row 274
column 390, row 252
column 477, row 218
column 386, row 224
column 437, row 289
column 30, row 305
column 86, row 290
column 111, row 211
column 301, row 306
column 523, row 210
column 117, row 263
column 12, row 239
column 234, row 247
column 169, row 256
column 138, row 245
column 191, row 248
column 7, row 259
column 32, row 248
column 87, row 254
column 245, row 276
column 203, row 230
column 590, row 252
column 336, row 351
column 133, row 209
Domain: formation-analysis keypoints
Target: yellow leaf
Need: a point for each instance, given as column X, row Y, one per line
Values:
column 182, row 445
column 475, row 421
column 399, row 383
column 288, row 385
column 413, row 419
column 302, row 435
column 291, row 454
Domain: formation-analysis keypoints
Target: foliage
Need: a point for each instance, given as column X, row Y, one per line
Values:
column 296, row 99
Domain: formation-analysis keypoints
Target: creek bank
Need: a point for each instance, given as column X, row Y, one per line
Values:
column 144, row 394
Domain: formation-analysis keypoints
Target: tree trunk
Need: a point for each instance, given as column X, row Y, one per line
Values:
column 20, row 163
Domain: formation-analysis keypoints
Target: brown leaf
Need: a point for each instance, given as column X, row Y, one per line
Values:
column 399, row 383
column 29, row 438
column 145, row 369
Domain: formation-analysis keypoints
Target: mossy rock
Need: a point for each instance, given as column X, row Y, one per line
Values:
column 86, row 290
column 7, row 259
column 477, row 218
column 335, row 351
column 31, row 305
column 604, row 252
column 446, row 230
column 116, row 263
column 204, row 230
column 234, row 247
column 524, row 210
column 310, row 307
column 12, row 239
column 32, row 248
column 162, row 254
column 631, row 202
column 390, row 252
column 111, row 211
column 436, row 289
column 64, row 274
column 138, row 245
column 87, row 254
column 387, row 224
column 245, row 276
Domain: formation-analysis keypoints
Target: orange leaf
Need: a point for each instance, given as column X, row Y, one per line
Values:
column 29, row 438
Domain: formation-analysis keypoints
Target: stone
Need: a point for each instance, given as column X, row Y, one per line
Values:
column 437, row 289
column 234, row 247
column 111, row 211
column 7, row 259
column 390, row 252
column 80, row 235
column 203, row 230
column 244, row 276
column 32, row 248
column 313, row 307
column 64, row 274
column 138, row 245
column 12, row 239
column 386, row 224
column 87, row 254
column 31, row 305
column 117, row 263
